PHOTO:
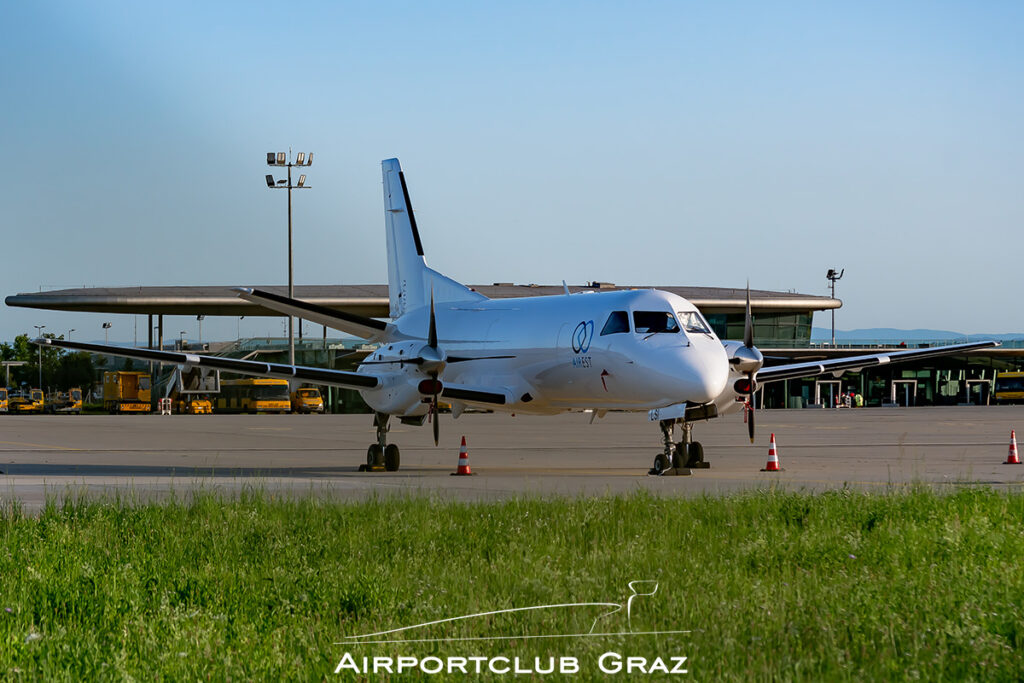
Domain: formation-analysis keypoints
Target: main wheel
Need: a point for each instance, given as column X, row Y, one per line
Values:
column 679, row 455
column 374, row 455
column 391, row 458
column 695, row 454
column 661, row 464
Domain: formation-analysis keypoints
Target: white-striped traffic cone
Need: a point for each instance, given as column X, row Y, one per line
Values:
column 463, row 468
column 773, row 458
column 1011, row 457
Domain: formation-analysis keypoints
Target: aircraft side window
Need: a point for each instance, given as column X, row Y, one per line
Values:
column 654, row 322
column 618, row 322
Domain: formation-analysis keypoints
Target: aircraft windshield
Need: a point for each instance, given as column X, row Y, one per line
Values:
column 693, row 322
column 654, row 322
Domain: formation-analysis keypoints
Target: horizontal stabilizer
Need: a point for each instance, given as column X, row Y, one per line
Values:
column 349, row 323
column 337, row 378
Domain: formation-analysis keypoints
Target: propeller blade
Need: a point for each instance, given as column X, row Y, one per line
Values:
column 432, row 335
column 751, row 411
column 748, row 323
column 437, row 416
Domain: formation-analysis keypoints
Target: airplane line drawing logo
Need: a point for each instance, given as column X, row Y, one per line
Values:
column 362, row 639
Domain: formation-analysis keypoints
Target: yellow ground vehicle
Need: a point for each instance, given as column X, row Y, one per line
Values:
column 193, row 405
column 307, row 400
column 1009, row 387
column 3, row 399
column 30, row 401
column 257, row 395
column 65, row 402
column 127, row 392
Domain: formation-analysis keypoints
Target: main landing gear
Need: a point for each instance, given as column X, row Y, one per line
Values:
column 678, row 458
column 381, row 456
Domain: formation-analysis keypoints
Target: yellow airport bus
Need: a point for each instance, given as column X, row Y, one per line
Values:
column 256, row 395
column 1009, row 387
column 3, row 399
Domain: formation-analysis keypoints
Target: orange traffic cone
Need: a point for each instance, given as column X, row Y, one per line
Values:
column 773, row 458
column 1011, row 457
column 463, row 468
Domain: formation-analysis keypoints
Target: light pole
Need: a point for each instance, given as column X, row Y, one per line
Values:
column 834, row 277
column 106, row 332
column 39, row 334
column 200, row 319
column 69, row 333
column 283, row 160
column 181, row 340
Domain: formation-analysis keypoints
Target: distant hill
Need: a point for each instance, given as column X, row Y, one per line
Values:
column 819, row 334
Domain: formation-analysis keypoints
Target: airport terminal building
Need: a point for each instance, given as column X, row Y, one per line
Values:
column 782, row 330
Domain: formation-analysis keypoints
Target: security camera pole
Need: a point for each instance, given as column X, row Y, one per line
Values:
column 282, row 159
column 834, row 277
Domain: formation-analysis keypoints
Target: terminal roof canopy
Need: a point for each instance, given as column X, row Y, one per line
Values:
column 369, row 300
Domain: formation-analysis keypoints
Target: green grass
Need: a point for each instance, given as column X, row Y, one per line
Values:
column 786, row 586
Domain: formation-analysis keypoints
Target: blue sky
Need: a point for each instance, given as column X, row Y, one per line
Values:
column 642, row 143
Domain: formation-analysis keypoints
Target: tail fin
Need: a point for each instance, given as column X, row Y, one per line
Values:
column 410, row 281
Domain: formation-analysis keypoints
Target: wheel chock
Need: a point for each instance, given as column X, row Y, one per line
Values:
column 671, row 472
column 371, row 468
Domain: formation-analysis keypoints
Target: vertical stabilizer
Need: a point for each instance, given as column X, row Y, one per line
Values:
column 410, row 281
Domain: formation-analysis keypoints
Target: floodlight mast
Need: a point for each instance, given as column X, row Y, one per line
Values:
column 39, row 334
column 834, row 277
column 283, row 160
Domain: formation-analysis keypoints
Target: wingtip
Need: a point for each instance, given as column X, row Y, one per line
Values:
column 242, row 291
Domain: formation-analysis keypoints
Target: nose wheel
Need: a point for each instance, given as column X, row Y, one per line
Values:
column 678, row 459
column 381, row 456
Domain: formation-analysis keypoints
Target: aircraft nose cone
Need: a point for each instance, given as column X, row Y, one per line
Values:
column 705, row 373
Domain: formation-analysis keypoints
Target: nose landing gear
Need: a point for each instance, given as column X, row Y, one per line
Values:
column 678, row 459
column 381, row 456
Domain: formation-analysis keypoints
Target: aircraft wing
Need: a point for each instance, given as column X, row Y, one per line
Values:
column 776, row 373
column 338, row 378
column 350, row 323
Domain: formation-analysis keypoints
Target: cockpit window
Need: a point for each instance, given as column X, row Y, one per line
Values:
column 653, row 322
column 693, row 322
column 618, row 322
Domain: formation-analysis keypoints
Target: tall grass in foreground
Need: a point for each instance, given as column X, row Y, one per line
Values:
column 838, row 586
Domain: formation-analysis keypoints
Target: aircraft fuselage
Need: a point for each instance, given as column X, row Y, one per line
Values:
column 557, row 353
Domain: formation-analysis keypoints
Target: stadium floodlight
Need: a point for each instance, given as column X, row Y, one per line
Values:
column 833, row 277
column 283, row 159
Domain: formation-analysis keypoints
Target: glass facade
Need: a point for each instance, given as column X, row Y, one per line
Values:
column 785, row 330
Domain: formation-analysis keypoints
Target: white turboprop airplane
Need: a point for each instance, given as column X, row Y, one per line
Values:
column 638, row 350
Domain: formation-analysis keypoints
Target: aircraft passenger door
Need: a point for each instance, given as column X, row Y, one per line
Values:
column 904, row 392
column 826, row 391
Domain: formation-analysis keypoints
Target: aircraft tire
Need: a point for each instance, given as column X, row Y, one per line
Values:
column 391, row 458
column 374, row 455
column 694, row 454
column 661, row 464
